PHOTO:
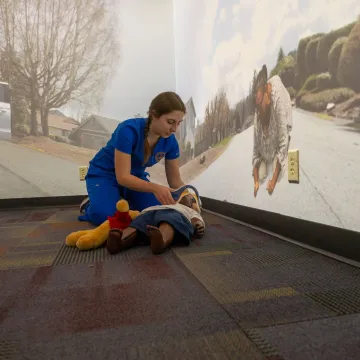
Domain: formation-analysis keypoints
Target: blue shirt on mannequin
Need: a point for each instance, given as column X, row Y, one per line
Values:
column 102, row 187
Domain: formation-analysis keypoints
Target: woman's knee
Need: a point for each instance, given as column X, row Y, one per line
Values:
column 103, row 195
column 99, row 214
column 98, row 217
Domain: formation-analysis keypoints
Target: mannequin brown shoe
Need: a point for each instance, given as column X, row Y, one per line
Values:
column 120, row 240
column 160, row 237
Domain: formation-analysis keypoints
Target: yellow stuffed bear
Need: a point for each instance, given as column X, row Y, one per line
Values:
column 94, row 238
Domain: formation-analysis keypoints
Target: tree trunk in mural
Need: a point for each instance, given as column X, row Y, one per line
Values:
column 44, row 121
column 33, row 119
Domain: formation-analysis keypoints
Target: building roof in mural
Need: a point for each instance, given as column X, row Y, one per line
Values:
column 190, row 105
column 108, row 124
column 57, row 121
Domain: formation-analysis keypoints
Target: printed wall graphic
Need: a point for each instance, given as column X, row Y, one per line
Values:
column 54, row 119
column 265, row 85
column 260, row 80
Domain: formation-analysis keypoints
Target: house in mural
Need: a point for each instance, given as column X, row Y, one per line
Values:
column 94, row 132
column 186, row 132
column 59, row 124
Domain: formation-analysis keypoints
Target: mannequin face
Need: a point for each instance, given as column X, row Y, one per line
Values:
column 189, row 201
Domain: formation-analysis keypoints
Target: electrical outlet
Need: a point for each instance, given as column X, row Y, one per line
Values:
column 82, row 172
column 293, row 166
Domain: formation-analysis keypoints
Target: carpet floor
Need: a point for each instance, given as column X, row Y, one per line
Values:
column 237, row 293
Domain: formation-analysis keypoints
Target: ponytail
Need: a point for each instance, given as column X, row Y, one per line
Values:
column 147, row 149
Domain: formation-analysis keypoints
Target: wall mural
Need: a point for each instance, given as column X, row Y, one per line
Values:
column 266, row 94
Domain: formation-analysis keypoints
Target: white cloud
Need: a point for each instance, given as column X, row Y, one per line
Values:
column 205, row 33
column 222, row 16
column 227, row 68
column 305, row 33
column 193, row 44
column 236, row 9
column 234, row 60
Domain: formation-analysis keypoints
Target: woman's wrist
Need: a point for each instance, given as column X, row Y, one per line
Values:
column 151, row 187
column 134, row 183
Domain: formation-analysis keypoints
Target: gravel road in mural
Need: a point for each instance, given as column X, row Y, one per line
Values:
column 26, row 172
column 329, row 191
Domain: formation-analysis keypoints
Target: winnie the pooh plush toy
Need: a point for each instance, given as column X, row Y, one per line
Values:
column 94, row 238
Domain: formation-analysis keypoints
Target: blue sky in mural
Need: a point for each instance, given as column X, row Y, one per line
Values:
column 233, row 38
column 224, row 27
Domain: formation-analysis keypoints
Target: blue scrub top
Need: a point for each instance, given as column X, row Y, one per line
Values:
column 128, row 137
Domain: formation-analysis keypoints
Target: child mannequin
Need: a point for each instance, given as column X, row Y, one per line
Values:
column 161, row 226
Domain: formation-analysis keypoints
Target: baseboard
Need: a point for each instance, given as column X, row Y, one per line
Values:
column 342, row 242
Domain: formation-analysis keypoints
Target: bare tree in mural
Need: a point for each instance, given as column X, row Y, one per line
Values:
column 222, row 121
column 272, row 126
column 62, row 49
column 217, row 117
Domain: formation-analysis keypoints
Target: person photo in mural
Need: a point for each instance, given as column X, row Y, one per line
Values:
column 272, row 127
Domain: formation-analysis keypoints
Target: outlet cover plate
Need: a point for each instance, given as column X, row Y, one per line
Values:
column 82, row 172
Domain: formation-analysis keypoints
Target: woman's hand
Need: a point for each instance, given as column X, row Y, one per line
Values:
column 163, row 194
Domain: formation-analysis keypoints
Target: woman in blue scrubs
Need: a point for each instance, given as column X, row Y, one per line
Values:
column 118, row 169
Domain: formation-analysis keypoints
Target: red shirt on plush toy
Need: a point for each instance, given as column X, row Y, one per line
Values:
column 121, row 219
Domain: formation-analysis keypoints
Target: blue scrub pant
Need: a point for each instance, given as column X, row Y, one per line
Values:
column 105, row 192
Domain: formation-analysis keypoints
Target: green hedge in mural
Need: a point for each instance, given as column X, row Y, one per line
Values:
column 325, row 44
column 349, row 62
column 302, row 72
column 322, row 63
column 310, row 55
column 308, row 87
column 324, row 81
column 318, row 101
column 334, row 56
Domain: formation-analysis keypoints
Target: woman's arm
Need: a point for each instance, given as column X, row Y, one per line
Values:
column 173, row 173
column 256, row 157
column 256, row 152
column 125, row 138
column 124, row 177
column 172, row 168
column 283, row 115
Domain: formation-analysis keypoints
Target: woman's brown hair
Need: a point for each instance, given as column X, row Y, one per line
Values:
column 162, row 104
